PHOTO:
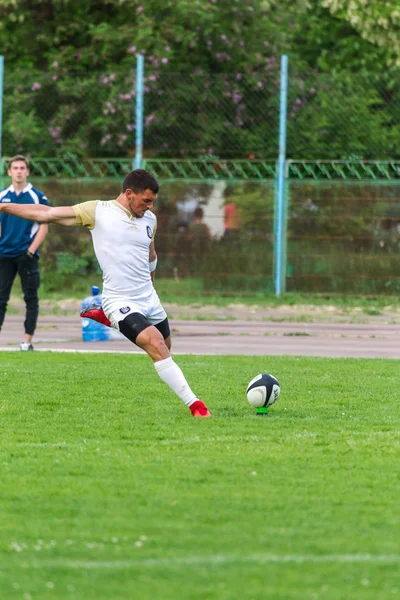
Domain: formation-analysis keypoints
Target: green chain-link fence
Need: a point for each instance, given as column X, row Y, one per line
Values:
column 48, row 114
column 343, row 227
column 343, row 237
column 229, row 115
column 184, row 115
column 212, row 140
column 191, row 115
column 336, row 116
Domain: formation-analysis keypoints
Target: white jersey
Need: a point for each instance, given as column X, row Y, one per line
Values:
column 121, row 244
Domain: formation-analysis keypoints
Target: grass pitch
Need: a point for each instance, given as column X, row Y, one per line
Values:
column 111, row 490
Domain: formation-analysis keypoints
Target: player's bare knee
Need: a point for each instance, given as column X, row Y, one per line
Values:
column 159, row 349
column 157, row 352
column 153, row 343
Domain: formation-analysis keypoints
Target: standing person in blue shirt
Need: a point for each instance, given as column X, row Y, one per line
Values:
column 19, row 243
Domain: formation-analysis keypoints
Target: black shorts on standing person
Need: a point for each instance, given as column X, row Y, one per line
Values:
column 19, row 243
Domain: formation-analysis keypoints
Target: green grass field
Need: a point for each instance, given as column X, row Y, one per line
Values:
column 111, row 490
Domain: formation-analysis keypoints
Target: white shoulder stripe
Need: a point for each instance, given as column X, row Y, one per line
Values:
column 4, row 192
column 34, row 196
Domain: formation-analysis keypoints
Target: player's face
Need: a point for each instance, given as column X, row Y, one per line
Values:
column 18, row 172
column 140, row 202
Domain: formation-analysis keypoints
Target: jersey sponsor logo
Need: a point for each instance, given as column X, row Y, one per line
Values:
column 124, row 310
column 149, row 232
column 133, row 228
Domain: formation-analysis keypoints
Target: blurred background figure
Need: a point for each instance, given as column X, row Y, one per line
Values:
column 198, row 229
column 231, row 221
column 199, row 238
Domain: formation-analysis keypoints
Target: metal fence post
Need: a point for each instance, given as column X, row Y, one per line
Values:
column 139, row 111
column 280, row 227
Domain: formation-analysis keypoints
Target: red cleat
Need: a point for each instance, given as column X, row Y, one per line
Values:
column 199, row 409
column 97, row 314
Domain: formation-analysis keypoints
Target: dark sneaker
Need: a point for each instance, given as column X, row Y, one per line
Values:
column 199, row 409
column 97, row 314
column 24, row 346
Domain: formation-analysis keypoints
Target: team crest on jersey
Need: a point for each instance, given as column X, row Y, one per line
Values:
column 149, row 232
column 124, row 310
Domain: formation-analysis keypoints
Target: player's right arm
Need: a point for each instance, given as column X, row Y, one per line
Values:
column 63, row 215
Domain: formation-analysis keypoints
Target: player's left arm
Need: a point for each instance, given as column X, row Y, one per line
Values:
column 39, row 238
column 152, row 260
column 43, row 228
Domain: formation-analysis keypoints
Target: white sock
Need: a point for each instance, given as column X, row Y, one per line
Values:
column 172, row 375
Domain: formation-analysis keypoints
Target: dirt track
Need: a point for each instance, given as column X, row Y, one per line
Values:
column 375, row 339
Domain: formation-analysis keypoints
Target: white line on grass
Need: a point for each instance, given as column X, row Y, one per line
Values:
column 215, row 560
column 94, row 351
column 77, row 351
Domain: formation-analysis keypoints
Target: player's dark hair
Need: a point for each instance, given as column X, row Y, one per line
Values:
column 140, row 180
column 16, row 158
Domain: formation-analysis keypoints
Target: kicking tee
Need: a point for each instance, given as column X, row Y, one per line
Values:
column 121, row 243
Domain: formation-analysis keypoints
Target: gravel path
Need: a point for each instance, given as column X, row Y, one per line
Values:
column 378, row 338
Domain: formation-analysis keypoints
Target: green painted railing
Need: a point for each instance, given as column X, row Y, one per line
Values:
column 343, row 169
column 212, row 169
column 76, row 168
column 170, row 169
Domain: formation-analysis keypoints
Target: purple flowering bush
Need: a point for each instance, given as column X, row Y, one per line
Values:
column 211, row 80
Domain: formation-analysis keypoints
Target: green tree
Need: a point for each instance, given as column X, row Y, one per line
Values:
column 212, row 77
column 376, row 21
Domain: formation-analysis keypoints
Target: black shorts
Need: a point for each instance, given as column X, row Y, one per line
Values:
column 135, row 323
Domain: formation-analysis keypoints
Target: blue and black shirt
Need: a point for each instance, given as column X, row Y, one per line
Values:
column 16, row 234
